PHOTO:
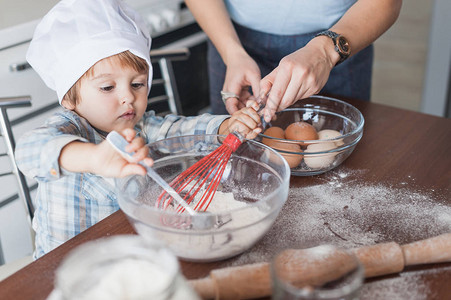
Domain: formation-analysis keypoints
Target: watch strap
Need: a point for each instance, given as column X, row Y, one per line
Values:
column 334, row 36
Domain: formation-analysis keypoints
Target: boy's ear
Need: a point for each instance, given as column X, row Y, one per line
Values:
column 67, row 104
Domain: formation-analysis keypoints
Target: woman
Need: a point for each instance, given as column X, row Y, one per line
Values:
column 292, row 44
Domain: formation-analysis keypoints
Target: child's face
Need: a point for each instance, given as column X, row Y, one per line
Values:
column 113, row 98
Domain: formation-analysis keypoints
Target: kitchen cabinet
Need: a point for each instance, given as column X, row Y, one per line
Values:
column 15, row 236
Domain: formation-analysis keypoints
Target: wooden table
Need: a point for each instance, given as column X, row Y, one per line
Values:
column 400, row 150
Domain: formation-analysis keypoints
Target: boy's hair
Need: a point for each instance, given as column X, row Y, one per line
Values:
column 125, row 59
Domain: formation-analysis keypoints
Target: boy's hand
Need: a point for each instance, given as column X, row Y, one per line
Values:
column 245, row 121
column 103, row 159
column 115, row 165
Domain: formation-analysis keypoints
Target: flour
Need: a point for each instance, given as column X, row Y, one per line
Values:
column 138, row 280
column 130, row 279
column 342, row 210
column 409, row 285
column 241, row 229
column 119, row 268
column 223, row 202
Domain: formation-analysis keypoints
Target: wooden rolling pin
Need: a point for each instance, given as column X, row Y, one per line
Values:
column 254, row 280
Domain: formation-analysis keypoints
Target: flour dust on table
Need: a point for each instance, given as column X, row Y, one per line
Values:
column 342, row 210
column 409, row 285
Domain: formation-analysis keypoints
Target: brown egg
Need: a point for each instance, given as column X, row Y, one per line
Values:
column 293, row 160
column 275, row 131
column 301, row 131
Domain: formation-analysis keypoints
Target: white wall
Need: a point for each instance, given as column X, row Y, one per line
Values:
column 15, row 12
column 436, row 84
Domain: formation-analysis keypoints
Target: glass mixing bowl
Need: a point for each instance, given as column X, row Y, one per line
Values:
column 313, row 157
column 251, row 193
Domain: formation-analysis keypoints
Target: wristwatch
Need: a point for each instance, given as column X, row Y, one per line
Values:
column 340, row 42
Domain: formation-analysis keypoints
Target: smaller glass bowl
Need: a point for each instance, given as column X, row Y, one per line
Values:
column 317, row 156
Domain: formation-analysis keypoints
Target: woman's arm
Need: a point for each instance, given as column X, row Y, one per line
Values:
column 305, row 71
column 242, row 70
column 215, row 21
column 366, row 21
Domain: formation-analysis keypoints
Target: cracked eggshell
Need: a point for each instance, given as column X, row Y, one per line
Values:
column 319, row 161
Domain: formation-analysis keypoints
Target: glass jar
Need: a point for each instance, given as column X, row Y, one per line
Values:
column 323, row 272
column 121, row 267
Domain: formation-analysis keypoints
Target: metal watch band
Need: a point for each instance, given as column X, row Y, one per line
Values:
column 334, row 36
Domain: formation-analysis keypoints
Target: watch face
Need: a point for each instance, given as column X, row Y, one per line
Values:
column 343, row 45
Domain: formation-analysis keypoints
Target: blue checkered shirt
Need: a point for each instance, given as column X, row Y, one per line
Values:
column 68, row 203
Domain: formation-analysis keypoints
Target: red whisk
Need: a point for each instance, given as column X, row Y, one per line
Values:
column 204, row 176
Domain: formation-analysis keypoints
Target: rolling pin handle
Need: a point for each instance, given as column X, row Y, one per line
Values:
column 205, row 287
column 433, row 250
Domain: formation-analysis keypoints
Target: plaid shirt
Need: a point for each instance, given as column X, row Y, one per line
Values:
column 68, row 203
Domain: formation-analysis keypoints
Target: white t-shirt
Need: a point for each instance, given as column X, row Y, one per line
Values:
column 287, row 17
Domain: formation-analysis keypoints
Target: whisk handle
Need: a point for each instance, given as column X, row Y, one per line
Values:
column 119, row 143
column 233, row 140
column 261, row 106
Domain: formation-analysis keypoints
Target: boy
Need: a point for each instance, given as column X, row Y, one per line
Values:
column 95, row 54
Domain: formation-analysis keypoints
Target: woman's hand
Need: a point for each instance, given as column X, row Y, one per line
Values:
column 299, row 75
column 242, row 72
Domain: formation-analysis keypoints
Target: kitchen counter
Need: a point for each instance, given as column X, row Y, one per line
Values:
column 394, row 187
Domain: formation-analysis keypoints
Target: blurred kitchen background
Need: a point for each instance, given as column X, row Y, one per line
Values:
column 411, row 71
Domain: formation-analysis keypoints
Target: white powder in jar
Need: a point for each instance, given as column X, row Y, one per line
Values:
column 130, row 279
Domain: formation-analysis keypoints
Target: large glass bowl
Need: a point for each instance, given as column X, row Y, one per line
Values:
column 317, row 156
column 256, row 176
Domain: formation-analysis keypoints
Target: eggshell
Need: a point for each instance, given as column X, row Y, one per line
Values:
column 301, row 131
column 275, row 131
column 293, row 160
column 327, row 134
column 319, row 161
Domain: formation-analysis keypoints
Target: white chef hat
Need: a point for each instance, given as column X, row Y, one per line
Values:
column 75, row 34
